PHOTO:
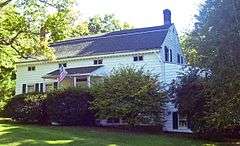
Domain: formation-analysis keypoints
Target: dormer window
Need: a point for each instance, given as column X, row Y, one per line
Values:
column 62, row 64
column 138, row 58
column 166, row 50
column 31, row 68
column 97, row 61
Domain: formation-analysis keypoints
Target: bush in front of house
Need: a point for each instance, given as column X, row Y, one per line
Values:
column 27, row 108
column 70, row 107
column 130, row 94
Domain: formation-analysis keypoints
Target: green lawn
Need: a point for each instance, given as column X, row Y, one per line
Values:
column 25, row 135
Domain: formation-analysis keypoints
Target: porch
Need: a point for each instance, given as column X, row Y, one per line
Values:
column 76, row 77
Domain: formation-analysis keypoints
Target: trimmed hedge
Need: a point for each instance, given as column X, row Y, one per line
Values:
column 70, row 107
column 28, row 108
column 64, row 107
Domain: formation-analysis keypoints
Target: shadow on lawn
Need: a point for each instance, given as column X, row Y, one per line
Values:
column 12, row 134
column 25, row 135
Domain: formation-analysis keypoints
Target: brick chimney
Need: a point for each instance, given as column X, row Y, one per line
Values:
column 167, row 17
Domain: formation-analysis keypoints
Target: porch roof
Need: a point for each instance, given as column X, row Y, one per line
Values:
column 74, row 71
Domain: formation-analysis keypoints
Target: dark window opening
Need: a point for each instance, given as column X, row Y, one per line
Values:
column 24, row 88
column 37, row 87
column 178, row 58
column 135, row 58
column 170, row 55
column 113, row 120
column 99, row 61
column 55, row 85
column 138, row 58
column 31, row 68
column 41, row 87
column 81, row 79
column 166, row 54
column 181, row 60
column 62, row 64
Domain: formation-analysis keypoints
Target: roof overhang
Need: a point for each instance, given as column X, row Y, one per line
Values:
column 73, row 72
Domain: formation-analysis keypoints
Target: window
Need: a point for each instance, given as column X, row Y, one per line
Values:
column 166, row 53
column 41, row 87
column 81, row 81
column 182, row 121
column 170, row 55
column 181, row 60
column 62, row 64
column 30, row 88
column 37, row 87
column 178, row 58
column 138, row 58
column 113, row 120
column 98, row 61
column 135, row 58
column 55, row 85
column 31, row 68
column 24, row 86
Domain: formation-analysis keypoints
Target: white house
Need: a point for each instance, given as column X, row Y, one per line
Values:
column 87, row 59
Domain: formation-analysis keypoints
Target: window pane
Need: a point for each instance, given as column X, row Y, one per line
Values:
column 41, row 87
column 135, row 58
column 95, row 62
column 24, row 88
column 170, row 55
column 166, row 54
column 100, row 61
column 178, row 58
column 30, row 88
column 55, row 85
column 37, row 87
column 140, row 58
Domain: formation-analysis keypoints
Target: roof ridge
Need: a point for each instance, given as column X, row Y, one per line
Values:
column 109, row 36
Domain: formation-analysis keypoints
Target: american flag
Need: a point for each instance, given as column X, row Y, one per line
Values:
column 62, row 74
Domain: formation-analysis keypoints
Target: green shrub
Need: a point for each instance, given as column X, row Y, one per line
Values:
column 70, row 107
column 28, row 108
column 130, row 94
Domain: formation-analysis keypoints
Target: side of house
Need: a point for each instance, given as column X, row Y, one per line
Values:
column 87, row 59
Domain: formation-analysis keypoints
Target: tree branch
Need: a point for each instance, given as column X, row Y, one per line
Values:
column 2, row 4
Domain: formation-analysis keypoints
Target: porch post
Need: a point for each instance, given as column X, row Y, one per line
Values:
column 74, row 81
column 88, row 81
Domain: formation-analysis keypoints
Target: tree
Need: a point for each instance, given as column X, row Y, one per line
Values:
column 130, row 94
column 26, row 29
column 189, row 94
column 216, row 39
column 98, row 24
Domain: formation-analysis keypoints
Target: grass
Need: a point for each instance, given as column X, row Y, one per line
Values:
column 25, row 135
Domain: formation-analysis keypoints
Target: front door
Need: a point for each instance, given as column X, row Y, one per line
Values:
column 175, row 120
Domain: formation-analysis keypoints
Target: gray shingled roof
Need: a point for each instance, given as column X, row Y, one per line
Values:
column 119, row 41
column 72, row 71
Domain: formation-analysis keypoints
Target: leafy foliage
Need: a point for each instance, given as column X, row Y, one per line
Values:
column 100, row 24
column 129, row 94
column 28, row 108
column 70, row 107
column 67, row 107
column 216, row 40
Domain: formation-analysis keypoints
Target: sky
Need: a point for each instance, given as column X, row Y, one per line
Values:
column 143, row 13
